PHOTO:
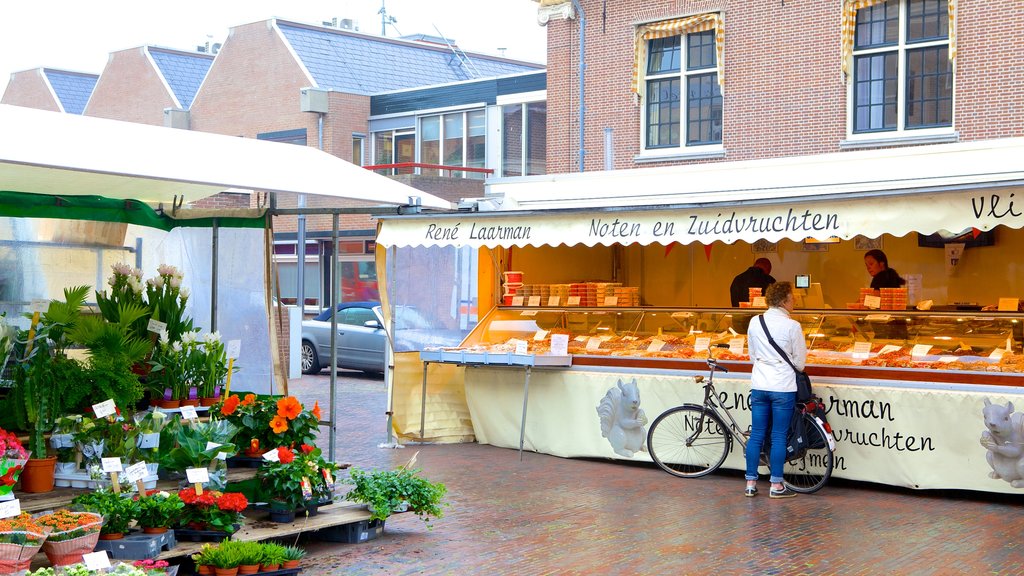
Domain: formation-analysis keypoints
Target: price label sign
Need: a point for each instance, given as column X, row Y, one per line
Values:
column 38, row 305
column 1009, row 304
column 655, row 345
column 233, row 349
column 594, row 343
column 189, row 413
column 861, row 349
column 534, row 301
column 96, row 560
column 611, row 300
column 572, row 301
column 873, row 302
column 997, row 354
column 890, row 348
column 701, row 344
column 736, row 345
column 522, row 349
column 156, row 326
column 733, row 332
column 528, row 313
column 580, row 339
column 10, row 508
column 560, row 344
column 111, row 465
column 517, row 300
column 271, row 456
column 540, row 335
column 759, row 302
column 197, row 475
column 947, row 359
column 920, row 350
column 135, row 472
column 553, row 300
column 105, row 408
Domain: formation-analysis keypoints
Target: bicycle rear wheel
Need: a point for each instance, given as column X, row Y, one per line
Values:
column 688, row 441
column 812, row 469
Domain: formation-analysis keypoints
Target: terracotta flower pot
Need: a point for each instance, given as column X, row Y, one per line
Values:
column 190, row 402
column 170, row 404
column 38, row 474
column 111, row 536
column 204, row 569
column 289, row 564
column 208, row 401
column 153, row 530
column 225, row 571
column 248, row 568
column 269, row 567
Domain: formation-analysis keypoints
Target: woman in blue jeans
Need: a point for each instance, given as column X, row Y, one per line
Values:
column 773, row 386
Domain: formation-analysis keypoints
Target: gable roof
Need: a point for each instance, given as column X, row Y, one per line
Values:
column 364, row 64
column 73, row 89
column 184, row 72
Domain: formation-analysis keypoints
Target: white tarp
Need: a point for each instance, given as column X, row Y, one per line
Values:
column 823, row 218
column 66, row 154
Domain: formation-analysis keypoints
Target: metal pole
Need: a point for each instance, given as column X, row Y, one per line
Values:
column 334, row 337
column 213, row 276
column 389, row 375
column 583, row 66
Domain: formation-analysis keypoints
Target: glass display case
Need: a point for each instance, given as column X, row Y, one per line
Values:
column 910, row 340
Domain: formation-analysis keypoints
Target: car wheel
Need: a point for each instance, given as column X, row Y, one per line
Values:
column 310, row 362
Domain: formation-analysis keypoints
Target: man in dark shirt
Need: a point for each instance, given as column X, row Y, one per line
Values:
column 757, row 276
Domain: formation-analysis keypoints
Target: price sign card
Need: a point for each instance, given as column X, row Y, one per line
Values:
column 271, row 456
column 156, row 326
column 580, row 339
column 878, row 317
column 736, row 345
column 594, row 343
column 197, row 475
column 733, row 332
column 611, row 300
column 1009, row 304
column 189, row 413
column 40, row 306
column 135, row 472
column 534, row 301
column 655, row 345
column 889, row 348
column 997, row 354
column 233, row 349
column 572, row 301
column 920, row 350
column 861, row 349
column 10, row 508
column 522, row 349
column 553, row 300
column 947, row 359
column 96, row 560
column 873, row 302
column 517, row 300
column 540, row 335
column 111, row 465
column 702, row 344
column 528, row 313
column 560, row 344
column 759, row 302
column 105, row 408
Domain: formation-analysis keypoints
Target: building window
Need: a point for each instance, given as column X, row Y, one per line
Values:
column 524, row 139
column 394, row 147
column 902, row 76
column 684, row 99
column 358, row 150
column 454, row 139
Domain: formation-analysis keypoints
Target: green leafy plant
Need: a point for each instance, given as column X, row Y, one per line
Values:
column 113, row 349
column 118, row 511
column 159, row 510
column 272, row 554
column 194, row 446
column 294, row 553
column 386, row 491
column 125, row 290
column 249, row 553
column 282, row 480
column 201, row 558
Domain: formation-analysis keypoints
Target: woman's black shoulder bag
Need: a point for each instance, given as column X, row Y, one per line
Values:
column 803, row 381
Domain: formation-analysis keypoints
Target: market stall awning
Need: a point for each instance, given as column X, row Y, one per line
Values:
column 924, row 189
column 66, row 154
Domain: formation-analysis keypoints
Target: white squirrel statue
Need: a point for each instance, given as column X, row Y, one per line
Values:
column 622, row 420
column 1004, row 440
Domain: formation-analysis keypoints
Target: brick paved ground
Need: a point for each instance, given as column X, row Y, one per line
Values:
column 548, row 515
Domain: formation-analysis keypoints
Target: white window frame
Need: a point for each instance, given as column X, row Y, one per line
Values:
column 440, row 114
column 901, row 134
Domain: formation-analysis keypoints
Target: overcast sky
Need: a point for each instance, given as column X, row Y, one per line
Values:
column 79, row 35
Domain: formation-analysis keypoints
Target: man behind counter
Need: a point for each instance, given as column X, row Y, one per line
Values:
column 757, row 276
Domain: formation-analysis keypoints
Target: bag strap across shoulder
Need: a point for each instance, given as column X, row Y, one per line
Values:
column 775, row 345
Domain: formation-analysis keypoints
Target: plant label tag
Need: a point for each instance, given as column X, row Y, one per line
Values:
column 328, row 477
column 873, row 302
column 96, row 560
column 997, row 354
column 701, row 344
column 220, row 455
column 156, row 326
column 540, row 335
column 611, row 300
column 189, row 413
column 522, row 348
column 271, row 456
column 111, row 465
column 572, row 301
column 105, row 408
column 1009, row 304
column 10, row 508
column 560, row 344
column 135, row 472
column 39, row 305
column 233, row 349
column 197, row 475
column 861, row 349
column 920, row 350
column 655, row 345
column 890, row 348
column 736, row 346
column 307, row 489
column 594, row 343
column 534, row 301
column 553, row 300
column 517, row 300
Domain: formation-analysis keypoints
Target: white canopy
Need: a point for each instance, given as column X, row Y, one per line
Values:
column 66, row 154
column 952, row 187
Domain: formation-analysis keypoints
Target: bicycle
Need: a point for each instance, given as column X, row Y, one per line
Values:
column 694, row 440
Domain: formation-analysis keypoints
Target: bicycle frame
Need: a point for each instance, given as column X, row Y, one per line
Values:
column 712, row 404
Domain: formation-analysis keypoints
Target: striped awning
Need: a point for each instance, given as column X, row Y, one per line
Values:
column 849, row 29
column 675, row 27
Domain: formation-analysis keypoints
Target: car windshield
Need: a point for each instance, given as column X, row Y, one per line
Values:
column 325, row 316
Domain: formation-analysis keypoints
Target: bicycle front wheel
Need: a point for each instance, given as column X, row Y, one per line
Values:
column 688, row 441
column 812, row 469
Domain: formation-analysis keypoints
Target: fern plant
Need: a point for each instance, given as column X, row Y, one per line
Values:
column 113, row 349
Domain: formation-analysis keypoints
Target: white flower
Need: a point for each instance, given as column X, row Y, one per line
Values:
column 137, row 272
column 189, row 337
column 165, row 339
column 112, row 281
column 212, row 337
column 158, row 282
column 175, row 281
column 121, row 269
column 166, row 270
column 177, row 346
column 135, row 285
column 184, row 293
column 163, row 494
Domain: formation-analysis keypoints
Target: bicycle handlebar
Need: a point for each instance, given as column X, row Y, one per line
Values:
column 713, row 364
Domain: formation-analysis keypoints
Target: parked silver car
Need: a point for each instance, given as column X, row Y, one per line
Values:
column 361, row 340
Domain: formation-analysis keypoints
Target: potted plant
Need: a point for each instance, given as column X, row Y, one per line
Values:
column 252, row 416
column 62, row 440
column 292, row 556
column 159, row 511
column 150, row 424
column 20, row 538
column 213, row 510
column 388, row 491
column 273, row 555
column 118, row 511
column 72, row 534
column 113, row 350
column 199, row 445
column 224, row 558
column 213, row 369
column 283, row 481
column 203, row 561
column 13, row 457
column 167, row 299
column 250, row 554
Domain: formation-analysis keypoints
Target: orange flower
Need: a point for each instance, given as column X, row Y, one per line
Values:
column 250, row 399
column 279, row 424
column 316, row 410
column 289, row 407
column 230, row 405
